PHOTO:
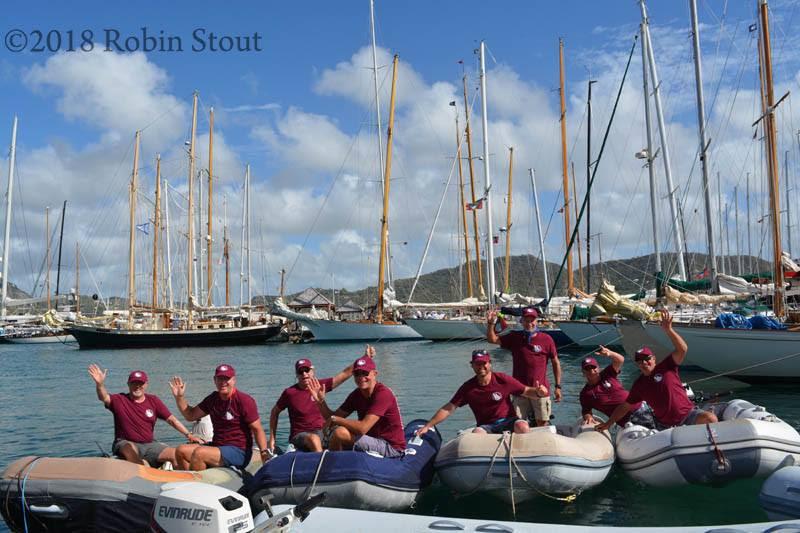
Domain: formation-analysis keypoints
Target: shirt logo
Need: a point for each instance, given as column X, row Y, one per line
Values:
column 607, row 384
column 496, row 396
column 149, row 413
column 228, row 415
column 658, row 378
column 537, row 348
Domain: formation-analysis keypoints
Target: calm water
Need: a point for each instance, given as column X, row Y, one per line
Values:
column 49, row 407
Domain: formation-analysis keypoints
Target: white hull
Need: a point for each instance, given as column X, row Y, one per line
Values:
column 45, row 339
column 744, row 353
column 751, row 442
column 334, row 330
column 590, row 334
column 780, row 494
column 447, row 330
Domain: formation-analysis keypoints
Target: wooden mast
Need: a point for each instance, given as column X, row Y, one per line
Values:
column 47, row 247
column 190, row 218
column 209, row 277
column 386, row 183
column 283, row 273
column 567, row 227
column 472, row 189
column 226, row 253
column 772, row 163
column 131, row 239
column 463, row 208
column 156, row 231
column 508, row 220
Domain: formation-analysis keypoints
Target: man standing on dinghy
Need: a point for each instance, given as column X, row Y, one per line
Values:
column 488, row 394
column 530, row 349
column 305, row 420
column 661, row 387
column 379, row 428
column 234, row 416
column 604, row 392
column 135, row 414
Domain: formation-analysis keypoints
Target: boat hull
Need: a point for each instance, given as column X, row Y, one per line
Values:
column 463, row 330
column 338, row 331
column 44, row 339
column 93, row 337
column 590, row 334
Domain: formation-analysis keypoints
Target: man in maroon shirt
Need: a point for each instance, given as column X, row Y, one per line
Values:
column 661, row 387
column 488, row 394
column 379, row 427
column 135, row 414
column 604, row 392
column 530, row 349
column 234, row 416
column 305, row 420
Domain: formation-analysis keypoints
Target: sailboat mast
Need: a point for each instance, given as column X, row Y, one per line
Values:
column 578, row 234
column 541, row 237
column 244, row 226
column 209, row 264
column 749, row 239
column 226, row 252
column 249, row 264
column 156, row 231
column 77, row 277
column 462, row 208
column 588, row 191
column 475, row 226
column 772, row 160
column 386, row 184
column 132, row 234
column 564, row 171
column 788, row 203
column 7, row 233
column 47, row 251
column 60, row 242
column 487, row 192
column 650, row 156
column 673, row 202
column 166, row 238
column 508, row 221
column 701, row 130
column 736, row 229
column 190, row 220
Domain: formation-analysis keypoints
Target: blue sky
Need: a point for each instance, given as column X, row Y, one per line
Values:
column 300, row 111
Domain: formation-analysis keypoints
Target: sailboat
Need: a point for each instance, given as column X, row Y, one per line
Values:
column 749, row 355
column 158, row 327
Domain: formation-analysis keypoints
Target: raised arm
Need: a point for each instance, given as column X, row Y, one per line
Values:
column 679, row 354
column 491, row 335
column 178, row 387
column 617, row 360
column 99, row 377
column 347, row 372
column 440, row 415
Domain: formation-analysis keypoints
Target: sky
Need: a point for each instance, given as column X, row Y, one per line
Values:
column 296, row 102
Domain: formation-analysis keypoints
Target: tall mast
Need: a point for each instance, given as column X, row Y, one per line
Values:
column 541, row 237
column 156, row 231
column 462, row 208
column 578, row 234
column 749, row 241
column 475, row 226
column 380, row 126
column 7, row 236
column 736, row 229
column 650, row 155
column 487, row 193
column 244, row 236
column 170, row 302
column 673, row 203
column 209, row 264
column 47, row 252
column 508, row 221
column 226, row 254
column 249, row 264
column 132, row 234
column 283, row 275
column 788, row 203
column 77, row 277
column 198, row 263
column 701, row 130
column 588, row 191
column 386, row 184
column 772, row 160
column 564, row 171
column 60, row 242
column 190, row 219
column 726, row 268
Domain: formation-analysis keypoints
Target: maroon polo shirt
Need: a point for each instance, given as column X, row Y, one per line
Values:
column 135, row 421
column 231, row 418
column 304, row 413
column 383, row 404
column 530, row 357
column 605, row 395
column 491, row 402
column 664, row 392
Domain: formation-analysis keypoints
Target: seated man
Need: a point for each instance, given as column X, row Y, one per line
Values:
column 135, row 414
column 379, row 427
column 661, row 387
column 305, row 420
column 488, row 394
column 604, row 392
column 234, row 417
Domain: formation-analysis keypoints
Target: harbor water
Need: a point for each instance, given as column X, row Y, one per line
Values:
column 49, row 408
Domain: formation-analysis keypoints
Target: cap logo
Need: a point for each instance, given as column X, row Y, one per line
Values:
column 137, row 374
column 149, row 413
column 496, row 396
column 223, row 368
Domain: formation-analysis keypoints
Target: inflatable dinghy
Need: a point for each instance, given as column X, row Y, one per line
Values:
column 550, row 460
column 355, row 480
column 91, row 493
column 747, row 442
column 780, row 494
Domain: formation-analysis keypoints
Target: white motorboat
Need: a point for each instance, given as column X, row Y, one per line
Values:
column 587, row 334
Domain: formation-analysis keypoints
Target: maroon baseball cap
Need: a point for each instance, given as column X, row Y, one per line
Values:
column 137, row 375
column 303, row 363
column 530, row 312
column 481, row 356
column 643, row 353
column 364, row 363
column 589, row 361
column 224, row 371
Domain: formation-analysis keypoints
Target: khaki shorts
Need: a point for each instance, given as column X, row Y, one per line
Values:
column 528, row 408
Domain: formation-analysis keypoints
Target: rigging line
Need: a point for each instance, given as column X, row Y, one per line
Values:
column 20, row 196
column 178, row 102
